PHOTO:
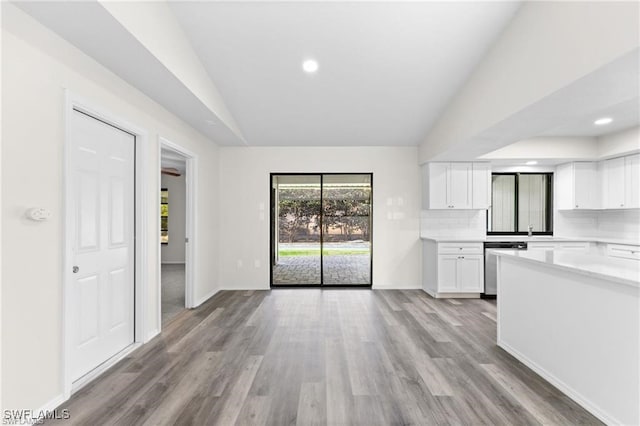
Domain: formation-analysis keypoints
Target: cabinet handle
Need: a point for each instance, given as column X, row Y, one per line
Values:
column 621, row 205
column 577, row 206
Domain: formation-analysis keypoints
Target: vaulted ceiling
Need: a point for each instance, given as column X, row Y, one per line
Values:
column 386, row 69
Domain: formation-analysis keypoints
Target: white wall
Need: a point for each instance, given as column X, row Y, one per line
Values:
column 245, row 211
column 575, row 148
column 174, row 251
column 619, row 143
column 37, row 66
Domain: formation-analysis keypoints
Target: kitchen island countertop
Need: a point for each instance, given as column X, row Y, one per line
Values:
column 623, row 271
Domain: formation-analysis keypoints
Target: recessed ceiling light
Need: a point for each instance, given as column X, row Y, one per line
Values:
column 603, row 121
column 310, row 66
column 531, row 163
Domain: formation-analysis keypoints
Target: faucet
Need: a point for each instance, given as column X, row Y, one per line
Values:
column 530, row 230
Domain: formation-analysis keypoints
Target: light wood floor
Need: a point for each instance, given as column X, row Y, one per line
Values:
column 314, row 357
column 173, row 288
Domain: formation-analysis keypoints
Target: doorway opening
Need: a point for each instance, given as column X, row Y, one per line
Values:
column 321, row 227
column 173, row 236
column 176, row 230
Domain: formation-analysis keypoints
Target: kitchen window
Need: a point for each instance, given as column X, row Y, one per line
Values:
column 520, row 201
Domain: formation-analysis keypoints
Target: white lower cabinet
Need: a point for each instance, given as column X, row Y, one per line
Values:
column 453, row 269
column 470, row 270
column 447, row 273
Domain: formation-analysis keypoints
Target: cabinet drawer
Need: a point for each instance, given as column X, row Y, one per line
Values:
column 541, row 246
column 624, row 251
column 460, row 248
column 574, row 246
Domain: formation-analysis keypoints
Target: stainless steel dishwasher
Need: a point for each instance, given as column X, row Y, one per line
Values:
column 490, row 263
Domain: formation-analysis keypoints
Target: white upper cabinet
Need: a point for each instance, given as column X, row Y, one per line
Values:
column 608, row 184
column 578, row 186
column 621, row 182
column 459, row 186
column 632, row 181
column 613, row 183
column 452, row 186
column 481, row 186
column 435, row 184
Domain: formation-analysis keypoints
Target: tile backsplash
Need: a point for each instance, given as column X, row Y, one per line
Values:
column 623, row 224
column 619, row 224
column 453, row 223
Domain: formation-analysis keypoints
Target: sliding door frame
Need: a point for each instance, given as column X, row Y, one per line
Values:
column 273, row 224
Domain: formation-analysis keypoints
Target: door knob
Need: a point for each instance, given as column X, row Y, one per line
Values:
column 75, row 269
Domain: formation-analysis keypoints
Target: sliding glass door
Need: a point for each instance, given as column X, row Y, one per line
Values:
column 346, row 236
column 321, row 229
column 295, row 229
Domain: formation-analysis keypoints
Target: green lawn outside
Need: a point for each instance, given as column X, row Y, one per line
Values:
column 326, row 252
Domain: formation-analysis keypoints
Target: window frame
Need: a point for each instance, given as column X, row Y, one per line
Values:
column 550, row 207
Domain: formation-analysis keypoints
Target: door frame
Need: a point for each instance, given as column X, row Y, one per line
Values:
column 191, row 160
column 273, row 208
column 141, row 237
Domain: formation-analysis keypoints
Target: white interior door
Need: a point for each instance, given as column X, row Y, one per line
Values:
column 102, row 242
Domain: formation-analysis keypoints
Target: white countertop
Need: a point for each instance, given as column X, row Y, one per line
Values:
column 535, row 238
column 455, row 239
column 607, row 240
column 624, row 271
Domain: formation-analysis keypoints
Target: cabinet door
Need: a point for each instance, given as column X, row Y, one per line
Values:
column 438, row 183
column 564, row 187
column 585, row 185
column 470, row 269
column 632, row 181
column 459, row 185
column 481, row 186
column 614, row 183
column 447, row 273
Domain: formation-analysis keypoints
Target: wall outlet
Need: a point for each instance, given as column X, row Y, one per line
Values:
column 256, row 263
column 239, row 263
